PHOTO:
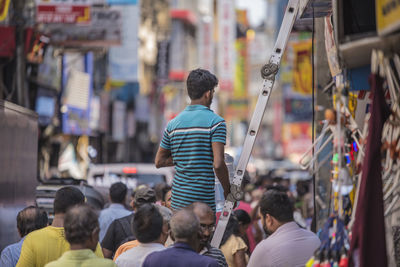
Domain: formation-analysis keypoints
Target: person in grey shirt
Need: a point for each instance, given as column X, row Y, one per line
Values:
column 150, row 226
column 116, row 210
column 288, row 244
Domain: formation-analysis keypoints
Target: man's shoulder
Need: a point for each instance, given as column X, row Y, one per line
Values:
column 40, row 234
column 124, row 219
column 99, row 262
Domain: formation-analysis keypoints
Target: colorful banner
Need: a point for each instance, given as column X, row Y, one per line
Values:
column 78, row 84
column 123, row 60
column 296, row 139
column 387, row 16
column 226, row 41
column 302, row 67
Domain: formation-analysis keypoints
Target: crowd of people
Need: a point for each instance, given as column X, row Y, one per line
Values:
column 150, row 233
column 167, row 226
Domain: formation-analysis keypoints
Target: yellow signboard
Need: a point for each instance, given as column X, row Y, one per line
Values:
column 4, row 4
column 387, row 16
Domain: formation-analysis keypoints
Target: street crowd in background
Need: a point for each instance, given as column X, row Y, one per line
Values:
column 173, row 227
column 147, row 232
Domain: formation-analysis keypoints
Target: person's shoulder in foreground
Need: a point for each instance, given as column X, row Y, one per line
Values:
column 178, row 255
column 288, row 244
column 74, row 258
column 82, row 233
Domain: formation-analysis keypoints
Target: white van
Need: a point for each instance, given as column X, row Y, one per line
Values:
column 131, row 174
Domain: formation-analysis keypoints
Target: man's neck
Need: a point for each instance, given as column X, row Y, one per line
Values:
column 58, row 220
column 78, row 247
column 187, row 242
column 280, row 224
column 200, row 101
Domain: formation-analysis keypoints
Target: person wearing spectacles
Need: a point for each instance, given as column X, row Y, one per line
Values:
column 207, row 227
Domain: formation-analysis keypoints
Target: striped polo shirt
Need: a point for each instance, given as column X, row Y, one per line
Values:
column 189, row 136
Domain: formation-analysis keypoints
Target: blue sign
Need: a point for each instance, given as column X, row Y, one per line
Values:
column 122, row 2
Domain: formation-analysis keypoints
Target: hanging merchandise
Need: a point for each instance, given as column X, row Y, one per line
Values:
column 368, row 246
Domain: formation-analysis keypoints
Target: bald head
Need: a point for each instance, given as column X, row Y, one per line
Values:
column 184, row 225
column 30, row 219
column 201, row 210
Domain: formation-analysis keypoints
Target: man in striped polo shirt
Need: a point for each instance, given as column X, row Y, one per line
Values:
column 194, row 142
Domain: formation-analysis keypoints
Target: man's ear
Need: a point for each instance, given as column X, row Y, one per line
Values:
column 95, row 234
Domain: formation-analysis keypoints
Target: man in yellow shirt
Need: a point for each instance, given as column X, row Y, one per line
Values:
column 49, row 243
column 82, row 232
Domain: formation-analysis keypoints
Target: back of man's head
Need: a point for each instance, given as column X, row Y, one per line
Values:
column 147, row 223
column 278, row 205
column 80, row 222
column 31, row 218
column 184, row 225
column 67, row 197
column 200, row 81
column 118, row 192
column 201, row 209
column 143, row 195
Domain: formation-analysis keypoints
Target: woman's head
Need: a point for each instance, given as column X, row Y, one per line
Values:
column 237, row 225
column 244, row 220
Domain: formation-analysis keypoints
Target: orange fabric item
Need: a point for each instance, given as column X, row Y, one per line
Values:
column 124, row 247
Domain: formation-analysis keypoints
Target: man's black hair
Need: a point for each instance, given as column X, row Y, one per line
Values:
column 79, row 223
column 278, row 205
column 147, row 223
column 118, row 192
column 67, row 197
column 31, row 218
column 200, row 81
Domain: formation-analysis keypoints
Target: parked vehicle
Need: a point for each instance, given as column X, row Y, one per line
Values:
column 102, row 176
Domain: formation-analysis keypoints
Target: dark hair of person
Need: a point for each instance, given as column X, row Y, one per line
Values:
column 242, row 216
column 118, row 192
column 30, row 219
column 79, row 223
column 231, row 229
column 147, row 223
column 200, row 81
column 161, row 190
column 67, row 197
column 278, row 205
column 165, row 191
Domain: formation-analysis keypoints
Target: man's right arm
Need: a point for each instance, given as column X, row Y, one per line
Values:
column 220, row 167
column 163, row 158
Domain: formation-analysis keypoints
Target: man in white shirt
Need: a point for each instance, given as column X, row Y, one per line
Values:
column 116, row 210
column 288, row 244
column 150, row 226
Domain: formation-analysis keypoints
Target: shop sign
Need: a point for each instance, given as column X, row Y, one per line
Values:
column 103, row 30
column 226, row 50
column 387, row 16
column 63, row 11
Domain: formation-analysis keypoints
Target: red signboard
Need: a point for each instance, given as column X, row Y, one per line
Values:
column 63, row 13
